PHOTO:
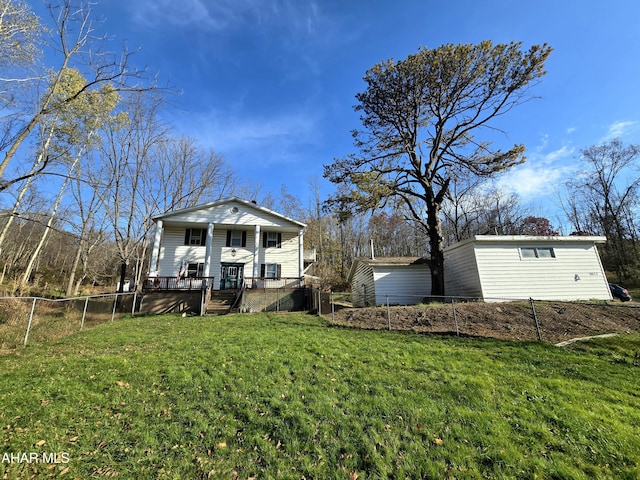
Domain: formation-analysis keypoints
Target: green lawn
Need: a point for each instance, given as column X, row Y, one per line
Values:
column 286, row 396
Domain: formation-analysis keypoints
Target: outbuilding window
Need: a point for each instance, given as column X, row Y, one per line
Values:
column 537, row 252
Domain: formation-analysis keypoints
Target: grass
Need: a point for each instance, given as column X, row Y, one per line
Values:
column 286, row 396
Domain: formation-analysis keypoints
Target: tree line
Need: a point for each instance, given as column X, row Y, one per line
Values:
column 87, row 160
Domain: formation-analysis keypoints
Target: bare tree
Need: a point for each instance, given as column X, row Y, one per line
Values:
column 602, row 199
column 77, row 46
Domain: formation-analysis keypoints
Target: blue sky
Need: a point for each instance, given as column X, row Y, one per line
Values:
column 271, row 84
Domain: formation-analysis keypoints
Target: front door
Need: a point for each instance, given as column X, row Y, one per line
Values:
column 231, row 276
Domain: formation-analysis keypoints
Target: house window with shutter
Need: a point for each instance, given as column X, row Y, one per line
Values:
column 195, row 270
column 195, row 236
column 236, row 238
column 272, row 239
column 270, row 270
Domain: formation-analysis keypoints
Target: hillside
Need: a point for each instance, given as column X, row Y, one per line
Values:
column 558, row 321
column 287, row 396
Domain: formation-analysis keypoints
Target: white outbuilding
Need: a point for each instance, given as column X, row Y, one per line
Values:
column 396, row 280
column 508, row 267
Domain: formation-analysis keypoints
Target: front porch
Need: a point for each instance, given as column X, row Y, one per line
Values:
column 195, row 295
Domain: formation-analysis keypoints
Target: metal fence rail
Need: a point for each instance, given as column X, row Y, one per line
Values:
column 38, row 319
column 504, row 318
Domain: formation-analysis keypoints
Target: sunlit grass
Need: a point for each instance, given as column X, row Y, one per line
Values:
column 285, row 396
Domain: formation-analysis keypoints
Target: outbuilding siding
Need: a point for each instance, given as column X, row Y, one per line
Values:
column 461, row 272
column 401, row 284
column 494, row 268
column 363, row 288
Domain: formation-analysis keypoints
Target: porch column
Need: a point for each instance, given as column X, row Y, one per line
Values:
column 301, row 252
column 256, row 254
column 207, row 251
column 155, row 253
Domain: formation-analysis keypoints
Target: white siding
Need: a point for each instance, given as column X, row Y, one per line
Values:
column 362, row 286
column 224, row 214
column 173, row 251
column 461, row 272
column 286, row 255
column 403, row 284
column 574, row 274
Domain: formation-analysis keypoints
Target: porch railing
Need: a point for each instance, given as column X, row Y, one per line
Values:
column 197, row 283
column 175, row 283
column 282, row 282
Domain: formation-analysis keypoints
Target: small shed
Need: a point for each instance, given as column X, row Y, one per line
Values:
column 400, row 280
column 507, row 267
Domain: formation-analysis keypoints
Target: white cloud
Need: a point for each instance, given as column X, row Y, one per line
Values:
column 275, row 138
column 571, row 130
column 542, row 174
column 227, row 14
column 620, row 129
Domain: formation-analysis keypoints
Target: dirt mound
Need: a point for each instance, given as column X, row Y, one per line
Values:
column 556, row 321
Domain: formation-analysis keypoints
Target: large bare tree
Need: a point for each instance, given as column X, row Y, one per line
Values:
column 420, row 119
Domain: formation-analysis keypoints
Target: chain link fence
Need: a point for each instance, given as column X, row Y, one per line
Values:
column 35, row 319
column 503, row 318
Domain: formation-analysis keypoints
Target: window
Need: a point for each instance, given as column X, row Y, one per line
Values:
column 270, row 270
column 195, row 270
column 271, row 239
column 236, row 238
column 195, row 236
column 537, row 252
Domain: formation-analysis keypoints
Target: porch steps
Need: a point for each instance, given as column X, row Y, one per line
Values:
column 221, row 302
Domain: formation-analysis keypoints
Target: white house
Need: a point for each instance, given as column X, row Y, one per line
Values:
column 398, row 280
column 227, row 244
column 500, row 267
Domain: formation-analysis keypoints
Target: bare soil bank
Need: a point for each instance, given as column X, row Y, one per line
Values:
column 557, row 321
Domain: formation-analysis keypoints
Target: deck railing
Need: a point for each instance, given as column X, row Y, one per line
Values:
column 282, row 282
column 175, row 283
column 197, row 283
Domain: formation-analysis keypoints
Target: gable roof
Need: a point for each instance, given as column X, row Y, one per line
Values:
column 211, row 205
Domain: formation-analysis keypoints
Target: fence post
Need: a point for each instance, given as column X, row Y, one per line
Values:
column 388, row 313
column 84, row 312
column 33, row 307
column 333, row 309
column 133, row 305
column 115, row 304
column 455, row 317
column 535, row 318
column 319, row 302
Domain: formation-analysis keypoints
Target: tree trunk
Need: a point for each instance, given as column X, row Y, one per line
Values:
column 436, row 246
column 123, row 274
column 74, row 267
